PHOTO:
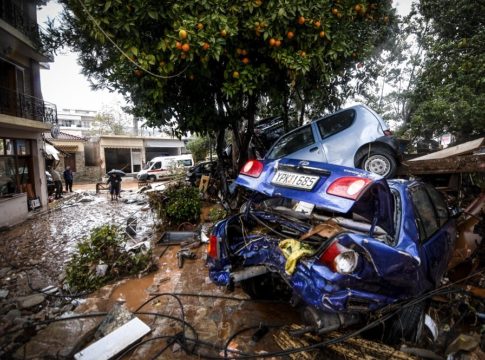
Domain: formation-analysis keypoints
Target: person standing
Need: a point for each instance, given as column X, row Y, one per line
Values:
column 56, row 177
column 114, row 181
column 68, row 178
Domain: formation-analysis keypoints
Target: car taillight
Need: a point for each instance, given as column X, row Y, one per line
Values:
column 252, row 168
column 213, row 249
column 349, row 187
column 339, row 258
column 388, row 132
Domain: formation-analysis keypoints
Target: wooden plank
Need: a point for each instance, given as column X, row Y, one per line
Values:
column 115, row 342
column 461, row 149
column 456, row 164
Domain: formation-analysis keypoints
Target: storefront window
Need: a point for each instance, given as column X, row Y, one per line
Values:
column 16, row 167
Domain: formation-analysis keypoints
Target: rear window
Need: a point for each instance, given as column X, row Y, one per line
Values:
column 292, row 142
column 335, row 123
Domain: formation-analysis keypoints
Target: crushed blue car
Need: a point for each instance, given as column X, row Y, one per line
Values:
column 339, row 242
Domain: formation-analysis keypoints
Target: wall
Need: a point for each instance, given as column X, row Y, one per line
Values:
column 13, row 210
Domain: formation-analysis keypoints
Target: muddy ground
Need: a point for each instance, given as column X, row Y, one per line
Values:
column 33, row 256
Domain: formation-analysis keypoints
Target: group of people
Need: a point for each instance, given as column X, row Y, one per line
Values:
column 114, row 181
column 56, row 177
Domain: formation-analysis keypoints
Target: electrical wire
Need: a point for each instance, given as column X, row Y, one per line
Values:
column 91, row 17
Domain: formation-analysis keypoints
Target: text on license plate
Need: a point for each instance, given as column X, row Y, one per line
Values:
column 294, row 180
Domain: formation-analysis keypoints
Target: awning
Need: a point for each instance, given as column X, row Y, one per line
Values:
column 51, row 150
column 68, row 148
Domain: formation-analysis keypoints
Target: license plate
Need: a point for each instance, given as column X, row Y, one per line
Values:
column 294, row 180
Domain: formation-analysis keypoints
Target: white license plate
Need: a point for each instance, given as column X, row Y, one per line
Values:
column 294, row 180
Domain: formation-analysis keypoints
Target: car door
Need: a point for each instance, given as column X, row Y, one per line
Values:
column 337, row 140
column 437, row 230
column 299, row 144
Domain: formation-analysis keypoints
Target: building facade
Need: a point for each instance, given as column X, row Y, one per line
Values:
column 24, row 116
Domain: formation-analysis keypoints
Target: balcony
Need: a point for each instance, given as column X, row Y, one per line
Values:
column 11, row 13
column 27, row 107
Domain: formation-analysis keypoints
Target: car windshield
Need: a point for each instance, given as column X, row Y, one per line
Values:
column 186, row 162
column 148, row 165
column 292, row 142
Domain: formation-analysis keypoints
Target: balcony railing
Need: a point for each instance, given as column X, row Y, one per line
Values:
column 27, row 107
column 17, row 17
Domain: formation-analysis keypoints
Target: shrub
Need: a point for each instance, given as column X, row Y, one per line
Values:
column 104, row 246
column 179, row 203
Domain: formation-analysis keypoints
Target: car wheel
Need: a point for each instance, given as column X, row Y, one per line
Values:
column 407, row 325
column 380, row 161
column 266, row 287
column 152, row 178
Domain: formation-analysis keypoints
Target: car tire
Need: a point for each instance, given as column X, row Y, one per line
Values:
column 152, row 178
column 266, row 287
column 407, row 325
column 379, row 161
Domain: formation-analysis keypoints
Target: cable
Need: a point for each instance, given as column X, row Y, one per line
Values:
column 125, row 54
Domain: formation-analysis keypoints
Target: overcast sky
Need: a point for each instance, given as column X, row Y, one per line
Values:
column 64, row 85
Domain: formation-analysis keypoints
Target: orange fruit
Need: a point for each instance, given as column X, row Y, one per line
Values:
column 183, row 34
column 244, row 52
column 321, row 34
column 223, row 32
column 178, row 45
column 301, row 20
column 277, row 43
column 200, row 26
column 290, row 35
column 335, row 11
column 185, row 47
column 317, row 24
column 272, row 42
column 235, row 75
column 205, row 46
column 245, row 60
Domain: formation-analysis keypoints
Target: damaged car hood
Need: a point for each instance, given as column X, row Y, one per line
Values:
column 323, row 185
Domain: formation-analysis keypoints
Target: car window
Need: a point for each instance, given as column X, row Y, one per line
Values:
column 425, row 212
column 333, row 124
column 157, row 165
column 292, row 142
column 439, row 205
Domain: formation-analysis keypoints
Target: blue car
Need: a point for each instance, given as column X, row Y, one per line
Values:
column 339, row 242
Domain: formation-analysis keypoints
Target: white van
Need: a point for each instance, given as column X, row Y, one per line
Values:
column 165, row 166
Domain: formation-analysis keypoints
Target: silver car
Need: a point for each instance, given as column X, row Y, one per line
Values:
column 354, row 137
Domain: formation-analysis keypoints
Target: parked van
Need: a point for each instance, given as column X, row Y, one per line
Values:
column 165, row 166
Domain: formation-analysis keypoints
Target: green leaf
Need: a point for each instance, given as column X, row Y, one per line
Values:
column 153, row 14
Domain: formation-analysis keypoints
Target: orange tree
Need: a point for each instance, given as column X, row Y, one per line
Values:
column 211, row 65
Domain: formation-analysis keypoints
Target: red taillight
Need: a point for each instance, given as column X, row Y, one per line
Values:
column 212, row 250
column 339, row 258
column 388, row 132
column 349, row 187
column 252, row 168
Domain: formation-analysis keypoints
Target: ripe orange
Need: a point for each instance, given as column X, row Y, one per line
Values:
column 301, row 20
column 302, row 53
column 178, row 45
column 321, row 34
column 358, row 8
column 205, row 46
column 317, row 24
column 245, row 60
column 185, row 47
column 200, row 26
column 335, row 11
column 272, row 42
column 277, row 43
column 244, row 52
column 290, row 35
column 183, row 34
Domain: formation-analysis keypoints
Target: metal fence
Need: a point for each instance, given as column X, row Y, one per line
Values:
column 18, row 18
column 27, row 107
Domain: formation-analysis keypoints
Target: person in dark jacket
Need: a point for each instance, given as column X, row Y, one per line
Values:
column 114, row 182
column 68, row 178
